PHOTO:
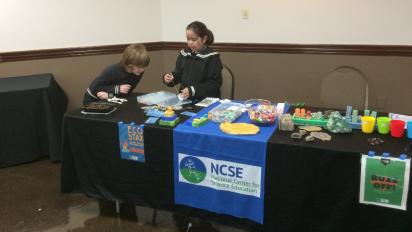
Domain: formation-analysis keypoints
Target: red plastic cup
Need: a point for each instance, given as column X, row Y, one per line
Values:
column 397, row 128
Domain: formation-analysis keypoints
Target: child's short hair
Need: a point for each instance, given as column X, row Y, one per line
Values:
column 135, row 54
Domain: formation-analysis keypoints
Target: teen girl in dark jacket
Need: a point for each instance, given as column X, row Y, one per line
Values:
column 198, row 68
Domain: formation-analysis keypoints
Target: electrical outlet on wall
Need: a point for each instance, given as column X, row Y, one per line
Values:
column 245, row 14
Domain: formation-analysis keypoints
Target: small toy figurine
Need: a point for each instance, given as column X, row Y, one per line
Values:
column 308, row 115
column 169, row 112
column 355, row 115
column 297, row 112
column 302, row 112
column 199, row 121
column 169, row 118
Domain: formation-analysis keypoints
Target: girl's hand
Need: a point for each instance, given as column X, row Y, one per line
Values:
column 102, row 95
column 168, row 78
column 185, row 93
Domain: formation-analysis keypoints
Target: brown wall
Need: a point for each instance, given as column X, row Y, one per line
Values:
column 274, row 76
column 74, row 74
column 297, row 77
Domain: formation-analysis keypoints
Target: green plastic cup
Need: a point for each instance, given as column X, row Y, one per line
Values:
column 384, row 125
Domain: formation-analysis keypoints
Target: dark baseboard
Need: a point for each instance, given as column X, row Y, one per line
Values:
column 324, row 49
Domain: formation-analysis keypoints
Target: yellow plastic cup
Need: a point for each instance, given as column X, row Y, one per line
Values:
column 368, row 124
column 384, row 125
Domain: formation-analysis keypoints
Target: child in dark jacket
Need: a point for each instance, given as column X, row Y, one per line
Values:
column 119, row 79
column 198, row 68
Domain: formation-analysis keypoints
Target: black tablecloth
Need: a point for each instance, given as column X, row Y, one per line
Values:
column 31, row 113
column 309, row 186
column 315, row 186
column 91, row 160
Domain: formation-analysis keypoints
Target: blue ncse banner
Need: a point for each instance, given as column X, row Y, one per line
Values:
column 219, row 172
column 131, row 141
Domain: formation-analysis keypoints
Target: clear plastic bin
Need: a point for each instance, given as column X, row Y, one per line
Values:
column 226, row 112
column 162, row 98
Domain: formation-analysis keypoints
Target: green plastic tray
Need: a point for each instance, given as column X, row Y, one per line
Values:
column 312, row 122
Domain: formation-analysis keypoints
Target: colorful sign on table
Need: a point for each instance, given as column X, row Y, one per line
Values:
column 131, row 141
column 384, row 181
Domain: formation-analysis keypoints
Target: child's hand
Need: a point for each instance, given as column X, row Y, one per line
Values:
column 184, row 93
column 168, row 78
column 125, row 88
column 102, row 95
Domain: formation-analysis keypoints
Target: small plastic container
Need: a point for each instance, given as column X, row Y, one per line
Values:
column 368, row 124
column 226, row 112
column 311, row 122
column 409, row 128
column 384, row 125
column 397, row 128
column 261, row 111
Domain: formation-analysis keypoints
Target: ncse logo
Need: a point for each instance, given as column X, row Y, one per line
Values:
column 192, row 169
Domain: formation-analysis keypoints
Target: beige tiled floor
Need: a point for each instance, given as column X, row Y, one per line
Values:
column 30, row 201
